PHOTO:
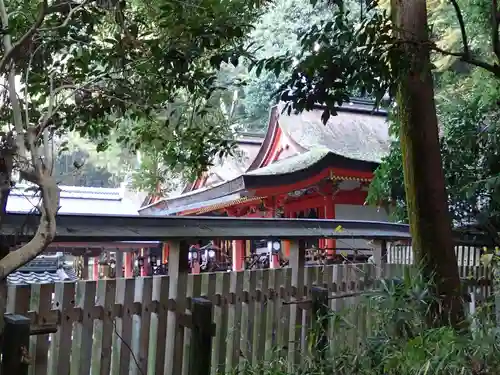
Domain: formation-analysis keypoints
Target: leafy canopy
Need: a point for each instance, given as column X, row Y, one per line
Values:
column 88, row 65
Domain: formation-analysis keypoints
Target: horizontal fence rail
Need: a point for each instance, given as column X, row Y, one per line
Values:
column 152, row 228
column 94, row 228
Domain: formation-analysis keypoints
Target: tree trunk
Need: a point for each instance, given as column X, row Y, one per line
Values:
column 426, row 197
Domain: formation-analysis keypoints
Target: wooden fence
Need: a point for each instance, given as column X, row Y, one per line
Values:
column 125, row 326
column 152, row 326
column 467, row 255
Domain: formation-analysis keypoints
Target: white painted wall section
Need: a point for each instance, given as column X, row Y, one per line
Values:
column 355, row 212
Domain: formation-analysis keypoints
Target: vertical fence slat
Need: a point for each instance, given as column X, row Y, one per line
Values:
column 108, row 325
column 177, row 269
column 201, row 346
column 147, row 297
column 20, row 299
column 160, row 336
column 245, row 347
column 126, row 297
column 336, row 307
column 209, row 285
column 103, row 328
column 60, row 355
column 41, row 303
column 285, row 296
column 259, row 329
column 195, row 287
column 297, row 258
column 309, row 277
column 134, row 344
column 249, row 333
column 271, row 326
column 82, row 336
column 188, row 331
column 320, row 322
column 194, row 291
column 222, row 290
column 234, row 320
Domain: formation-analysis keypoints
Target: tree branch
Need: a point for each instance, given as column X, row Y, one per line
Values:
column 46, row 231
column 16, row 113
column 11, row 50
column 461, row 22
column 68, row 16
column 44, row 235
column 492, row 68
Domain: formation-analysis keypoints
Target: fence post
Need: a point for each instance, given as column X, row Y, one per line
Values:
column 297, row 264
column 201, row 337
column 380, row 257
column 15, row 357
column 320, row 321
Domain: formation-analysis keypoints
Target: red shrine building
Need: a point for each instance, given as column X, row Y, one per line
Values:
column 301, row 168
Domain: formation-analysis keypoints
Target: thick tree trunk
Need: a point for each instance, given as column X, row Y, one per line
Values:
column 426, row 197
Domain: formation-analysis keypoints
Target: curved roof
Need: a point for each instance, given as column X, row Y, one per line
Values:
column 355, row 139
column 355, row 135
column 230, row 166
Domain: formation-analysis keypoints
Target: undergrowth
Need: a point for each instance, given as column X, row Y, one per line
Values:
column 387, row 334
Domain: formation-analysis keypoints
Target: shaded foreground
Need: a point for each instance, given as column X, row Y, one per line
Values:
column 394, row 339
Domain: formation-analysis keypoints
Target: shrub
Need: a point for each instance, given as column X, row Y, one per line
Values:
column 397, row 339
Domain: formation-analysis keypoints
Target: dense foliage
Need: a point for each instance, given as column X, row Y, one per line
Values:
column 275, row 32
column 144, row 72
column 386, row 333
column 88, row 66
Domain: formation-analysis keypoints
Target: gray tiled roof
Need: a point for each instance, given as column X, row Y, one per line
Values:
column 355, row 135
column 77, row 200
column 43, row 277
column 232, row 166
column 43, row 270
column 292, row 164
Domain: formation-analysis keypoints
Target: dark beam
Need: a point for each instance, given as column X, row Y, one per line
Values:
column 92, row 228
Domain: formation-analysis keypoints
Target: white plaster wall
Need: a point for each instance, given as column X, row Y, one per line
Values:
column 354, row 212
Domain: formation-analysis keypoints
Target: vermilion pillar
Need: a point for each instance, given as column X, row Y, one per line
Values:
column 164, row 252
column 146, row 266
column 238, row 254
column 95, row 269
column 275, row 261
column 285, row 244
column 195, row 263
column 330, row 214
column 128, row 264
column 322, row 215
column 145, row 262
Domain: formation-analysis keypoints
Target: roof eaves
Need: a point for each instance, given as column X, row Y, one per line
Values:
column 236, row 185
column 268, row 139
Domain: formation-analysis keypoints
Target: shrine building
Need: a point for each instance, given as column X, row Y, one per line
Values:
column 301, row 168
